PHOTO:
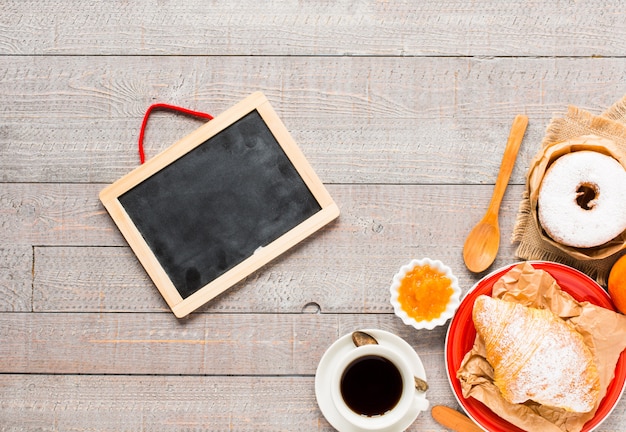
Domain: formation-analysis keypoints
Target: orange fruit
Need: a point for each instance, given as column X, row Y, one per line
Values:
column 617, row 284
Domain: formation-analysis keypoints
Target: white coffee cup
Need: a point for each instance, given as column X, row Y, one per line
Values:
column 410, row 401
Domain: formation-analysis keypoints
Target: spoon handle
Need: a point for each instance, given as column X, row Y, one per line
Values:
column 508, row 161
column 454, row 420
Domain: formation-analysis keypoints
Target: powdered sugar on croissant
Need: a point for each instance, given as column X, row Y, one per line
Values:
column 536, row 356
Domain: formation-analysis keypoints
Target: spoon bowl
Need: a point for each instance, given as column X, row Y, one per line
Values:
column 482, row 243
column 360, row 338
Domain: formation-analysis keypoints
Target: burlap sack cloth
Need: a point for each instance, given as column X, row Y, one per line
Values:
column 577, row 130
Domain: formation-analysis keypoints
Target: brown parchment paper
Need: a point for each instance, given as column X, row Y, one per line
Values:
column 604, row 332
column 573, row 131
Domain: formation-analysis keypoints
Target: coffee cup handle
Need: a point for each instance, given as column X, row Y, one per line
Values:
column 421, row 403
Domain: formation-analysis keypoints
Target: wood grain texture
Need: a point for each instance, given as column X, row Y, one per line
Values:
column 401, row 107
column 167, row 403
column 40, row 214
column 16, row 278
column 209, row 395
column 203, row 344
column 53, row 214
column 396, row 28
column 347, row 267
column 77, row 119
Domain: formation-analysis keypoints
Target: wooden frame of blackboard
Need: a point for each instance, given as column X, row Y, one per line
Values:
column 263, row 253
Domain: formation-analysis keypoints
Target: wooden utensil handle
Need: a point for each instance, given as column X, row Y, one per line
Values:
column 518, row 129
column 452, row 419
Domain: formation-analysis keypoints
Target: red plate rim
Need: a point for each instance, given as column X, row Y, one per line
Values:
column 461, row 334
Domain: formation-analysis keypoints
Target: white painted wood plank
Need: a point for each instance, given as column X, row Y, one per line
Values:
column 368, row 27
column 203, row 344
column 438, row 120
column 16, row 278
column 169, row 403
column 159, row 403
column 119, row 369
column 172, row 403
column 35, row 214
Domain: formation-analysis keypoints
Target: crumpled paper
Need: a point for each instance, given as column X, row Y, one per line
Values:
column 604, row 332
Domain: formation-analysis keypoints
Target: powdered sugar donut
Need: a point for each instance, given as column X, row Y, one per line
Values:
column 582, row 199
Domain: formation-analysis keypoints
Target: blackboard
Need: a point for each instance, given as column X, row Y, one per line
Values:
column 219, row 204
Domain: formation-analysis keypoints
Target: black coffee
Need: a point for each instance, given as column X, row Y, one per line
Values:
column 371, row 385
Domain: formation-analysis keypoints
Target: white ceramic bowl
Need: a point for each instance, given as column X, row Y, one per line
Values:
column 453, row 303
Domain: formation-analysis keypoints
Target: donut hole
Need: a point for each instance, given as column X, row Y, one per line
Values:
column 586, row 194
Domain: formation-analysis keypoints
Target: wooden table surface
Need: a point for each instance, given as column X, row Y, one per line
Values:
column 402, row 108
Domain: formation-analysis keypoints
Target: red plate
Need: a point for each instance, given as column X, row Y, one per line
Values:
column 461, row 335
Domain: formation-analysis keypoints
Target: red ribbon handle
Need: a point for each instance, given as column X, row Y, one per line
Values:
column 163, row 106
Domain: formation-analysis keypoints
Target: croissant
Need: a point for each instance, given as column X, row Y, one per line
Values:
column 536, row 356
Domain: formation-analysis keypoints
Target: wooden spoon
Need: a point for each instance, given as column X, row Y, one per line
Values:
column 483, row 241
column 454, row 420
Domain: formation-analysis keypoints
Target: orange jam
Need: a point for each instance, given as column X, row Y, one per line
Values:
column 424, row 293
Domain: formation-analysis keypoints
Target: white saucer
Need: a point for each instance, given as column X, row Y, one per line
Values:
column 325, row 370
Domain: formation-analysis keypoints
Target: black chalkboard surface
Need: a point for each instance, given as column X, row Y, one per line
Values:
column 219, row 204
